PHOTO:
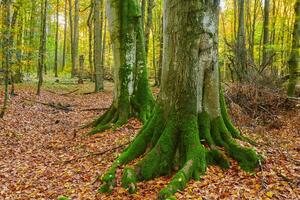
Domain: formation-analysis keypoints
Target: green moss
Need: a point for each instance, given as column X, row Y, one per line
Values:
column 204, row 128
column 246, row 157
column 129, row 180
column 216, row 157
column 159, row 160
column 108, row 179
column 230, row 127
column 63, row 198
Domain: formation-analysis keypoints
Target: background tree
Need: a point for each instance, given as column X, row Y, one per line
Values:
column 98, row 46
column 42, row 49
column 132, row 95
column 294, row 57
column 190, row 107
column 6, row 52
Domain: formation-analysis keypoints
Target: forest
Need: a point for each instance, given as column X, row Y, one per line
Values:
column 149, row 99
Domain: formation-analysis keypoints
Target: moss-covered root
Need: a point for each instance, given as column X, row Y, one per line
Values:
column 228, row 123
column 129, row 180
column 246, row 157
column 134, row 150
column 194, row 156
column 108, row 180
column 111, row 119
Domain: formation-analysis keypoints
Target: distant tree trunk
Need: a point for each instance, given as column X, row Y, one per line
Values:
column 56, row 41
column 266, row 32
column 293, row 62
column 72, row 37
column 241, row 51
column 6, row 46
column 104, row 43
column 132, row 95
column 75, row 60
column 33, row 15
column 65, row 37
column 98, row 47
column 143, row 10
column 148, row 24
column 160, row 60
column 189, row 122
column 90, row 28
column 42, row 49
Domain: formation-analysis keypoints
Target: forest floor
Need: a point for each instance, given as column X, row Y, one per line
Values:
column 43, row 154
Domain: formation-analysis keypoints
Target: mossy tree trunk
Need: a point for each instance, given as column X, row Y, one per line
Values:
column 132, row 95
column 294, row 57
column 190, row 110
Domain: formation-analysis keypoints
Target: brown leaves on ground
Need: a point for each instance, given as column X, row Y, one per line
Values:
column 43, row 154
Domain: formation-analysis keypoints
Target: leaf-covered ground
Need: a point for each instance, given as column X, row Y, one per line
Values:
column 43, row 154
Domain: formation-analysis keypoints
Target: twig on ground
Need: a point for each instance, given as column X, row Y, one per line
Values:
column 58, row 106
column 96, row 153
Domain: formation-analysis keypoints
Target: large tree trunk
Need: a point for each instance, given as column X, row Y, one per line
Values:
column 132, row 95
column 293, row 62
column 190, row 108
column 42, row 49
column 98, row 46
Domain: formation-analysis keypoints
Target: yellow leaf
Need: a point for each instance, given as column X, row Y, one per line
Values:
column 269, row 194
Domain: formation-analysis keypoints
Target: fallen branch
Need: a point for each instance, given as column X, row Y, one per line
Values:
column 58, row 106
column 63, row 94
column 94, row 109
column 96, row 153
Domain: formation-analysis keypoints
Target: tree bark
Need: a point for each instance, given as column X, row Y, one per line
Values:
column 98, row 46
column 65, row 37
column 42, row 49
column 6, row 45
column 293, row 62
column 241, row 51
column 266, row 32
column 56, row 41
column 148, row 24
column 132, row 95
column 75, row 59
column 190, row 107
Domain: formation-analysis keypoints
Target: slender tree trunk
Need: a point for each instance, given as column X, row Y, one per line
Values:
column 98, row 47
column 148, row 24
column 65, row 37
column 241, row 51
column 56, row 40
column 266, row 32
column 32, row 32
column 71, row 37
column 132, row 95
column 293, row 62
column 90, row 27
column 42, row 49
column 6, row 45
column 104, row 43
column 190, row 108
column 75, row 59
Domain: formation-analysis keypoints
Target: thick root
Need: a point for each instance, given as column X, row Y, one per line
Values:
column 246, row 157
column 178, row 146
column 111, row 119
column 129, row 180
column 135, row 149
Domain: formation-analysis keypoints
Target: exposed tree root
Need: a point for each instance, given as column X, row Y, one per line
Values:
column 178, row 143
